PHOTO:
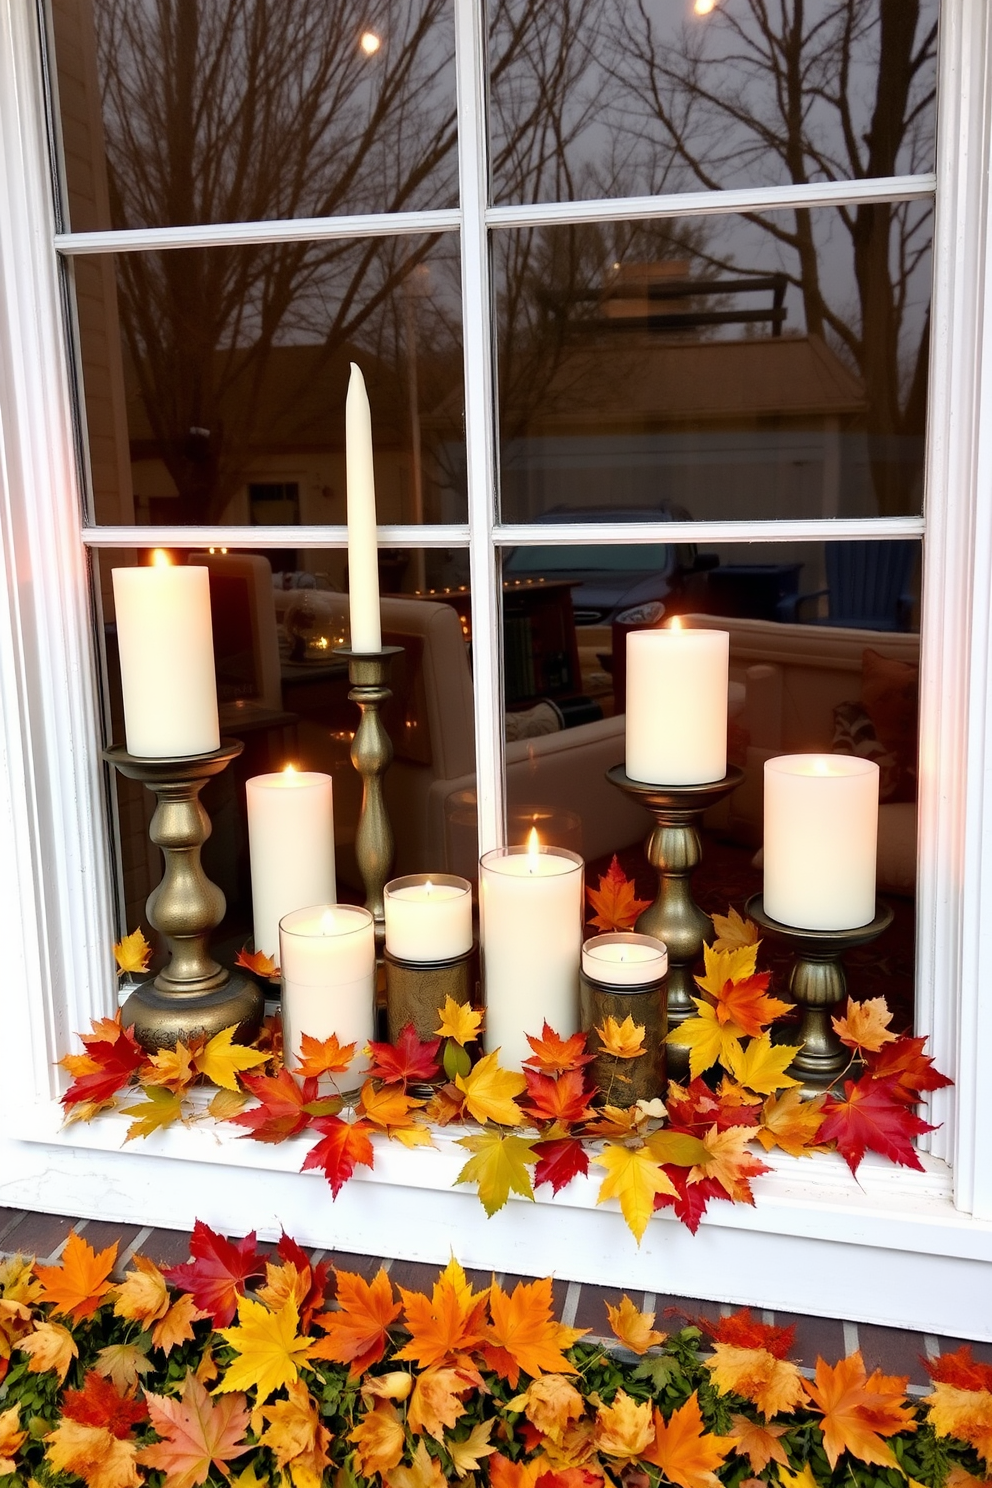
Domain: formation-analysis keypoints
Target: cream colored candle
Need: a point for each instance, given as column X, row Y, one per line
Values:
column 625, row 959
column 363, row 552
column 166, row 647
column 327, row 955
column 821, row 831
column 530, row 900
column 428, row 917
column 291, row 841
column 677, row 705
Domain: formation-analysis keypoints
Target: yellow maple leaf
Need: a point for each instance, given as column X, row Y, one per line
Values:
column 172, row 1069
column 803, row 1479
column 550, row 1404
column 297, row 1436
column 733, row 931
column 424, row 1472
column 789, row 1122
column 489, row 1092
column 709, row 1040
column 774, row 1385
column 721, row 967
column 624, row 1428
column 635, row 1329
column 761, row 1065
column 459, row 1021
column 124, row 1363
column 12, row 1439
column 159, row 1109
column 467, row 1454
column 865, row 1025
column 379, row 1440
column 132, row 953
column 227, row 1103
column 623, row 1040
column 221, row 1060
column 498, row 1167
column 50, row 1346
column 633, row 1177
column 94, row 1454
column 269, row 1347
column 965, row 1414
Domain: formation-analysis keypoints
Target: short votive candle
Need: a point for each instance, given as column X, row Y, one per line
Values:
column 428, row 917
column 625, row 959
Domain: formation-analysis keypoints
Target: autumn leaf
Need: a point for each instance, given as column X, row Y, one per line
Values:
column 395, row 1384
column 435, row 1402
column 379, row 1440
column 196, row 1433
column 554, row 1055
column 550, row 1404
column 759, row 1444
column 159, row 1109
column 111, row 1064
column 960, row 1369
column 356, row 1334
column 469, row 1452
column 559, row 1161
column 524, row 1333
column 563, row 1099
column 681, row 1148
column 613, row 902
column 459, row 1021
column 789, row 1122
column 729, row 1162
column 94, row 1454
column 269, row 1347
column 633, row 1177
column 685, row 1452
column 99, row 1403
column 50, row 1346
column 451, row 1321
column 344, row 1145
column 734, row 931
column 623, row 1040
column 635, row 1329
column 142, row 1296
column 132, row 952
column 739, row 990
column 215, row 1275
column 226, row 1104
column 489, row 1092
column 761, row 1065
column 123, row 1364
column 499, row 1167
column 12, row 1439
column 865, row 1025
column 709, row 1041
column 258, row 963
column 177, row 1325
column 295, row 1278
column 222, row 1061
column 425, row 1472
column 720, row 966
column 804, row 1479
column 410, row 1058
column 388, row 1106
column 445, row 1106
column 857, row 1412
column 908, row 1071
column 624, row 1428
column 172, row 1069
column 743, row 1331
column 503, row 1473
column 284, row 1108
column 323, row 1057
column 774, row 1385
column 78, row 1285
column 696, row 1107
column 962, row 1413
column 869, row 1118
column 297, row 1436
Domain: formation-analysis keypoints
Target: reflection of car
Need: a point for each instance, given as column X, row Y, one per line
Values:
column 611, row 579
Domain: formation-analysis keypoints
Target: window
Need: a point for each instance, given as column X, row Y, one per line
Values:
column 659, row 350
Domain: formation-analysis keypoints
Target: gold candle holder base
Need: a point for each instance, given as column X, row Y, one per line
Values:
column 621, row 1082
column 193, row 994
column 416, row 991
column 371, row 755
column 674, row 850
column 819, row 986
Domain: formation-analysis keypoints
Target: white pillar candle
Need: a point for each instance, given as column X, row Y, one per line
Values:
column 530, row 900
column 624, row 959
column 677, row 706
column 166, row 647
column 363, row 552
column 821, row 832
column 428, row 917
column 327, row 955
column 291, row 841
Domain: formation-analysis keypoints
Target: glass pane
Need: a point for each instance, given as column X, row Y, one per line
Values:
column 824, row 658
column 723, row 367
column 277, row 618
column 192, row 111
column 214, row 380
column 613, row 98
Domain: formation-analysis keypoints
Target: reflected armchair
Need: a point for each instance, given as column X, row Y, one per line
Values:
column 867, row 587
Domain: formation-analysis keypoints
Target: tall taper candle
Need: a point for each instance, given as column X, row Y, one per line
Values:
column 363, row 552
column 291, row 841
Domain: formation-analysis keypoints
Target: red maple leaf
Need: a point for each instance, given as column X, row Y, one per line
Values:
column 559, row 1161
column 217, row 1273
column 694, row 1108
column 871, row 1118
column 555, row 1055
column 410, row 1058
column 100, row 1403
column 288, row 1250
column 345, row 1144
column 692, row 1198
column 910, row 1070
column 287, row 1107
column 960, row 1369
column 564, row 1099
column 117, row 1063
column 743, row 1331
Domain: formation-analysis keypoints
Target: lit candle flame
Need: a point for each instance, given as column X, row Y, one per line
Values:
column 533, row 849
column 328, row 924
column 676, row 623
column 161, row 559
column 428, row 887
column 289, row 770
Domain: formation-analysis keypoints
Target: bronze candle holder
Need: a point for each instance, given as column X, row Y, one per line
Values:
column 193, row 994
column 416, row 991
column 819, row 986
column 621, row 1082
column 371, row 755
column 674, row 850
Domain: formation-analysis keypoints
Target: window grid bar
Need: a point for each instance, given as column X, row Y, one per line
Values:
column 238, row 234
column 307, row 536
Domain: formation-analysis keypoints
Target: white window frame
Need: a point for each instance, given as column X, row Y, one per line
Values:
column 900, row 1247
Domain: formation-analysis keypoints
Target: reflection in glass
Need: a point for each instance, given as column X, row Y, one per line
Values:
column 725, row 367
column 214, row 380
column 196, row 111
column 824, row 657
column 637, row 97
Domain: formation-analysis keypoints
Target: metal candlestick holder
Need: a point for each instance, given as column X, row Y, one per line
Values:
column 819, row 986
column 371, row 754
column 674, row 850
column 193, row 994
column 621, row 1082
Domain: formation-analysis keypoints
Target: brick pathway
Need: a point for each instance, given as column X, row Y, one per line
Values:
column 893, row 1350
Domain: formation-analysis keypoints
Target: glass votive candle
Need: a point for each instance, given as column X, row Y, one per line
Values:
column 327, row 956
column 430, row 950
column 625, row 975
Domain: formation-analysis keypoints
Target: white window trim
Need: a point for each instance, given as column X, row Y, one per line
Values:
column 922, row 1244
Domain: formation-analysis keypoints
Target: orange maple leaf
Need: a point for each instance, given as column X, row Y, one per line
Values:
column 635, row 1329
column 379, row 1440
column 739, row 991
column 554, row 1055
column 865, row 1025
column 297, row 1437
column 789, row 1122
column 435, row 1402
column 389, row 1106
column 78, row 1285
column 730, row 1162
column 623, row 1040
column 196, row 1433
column 452, row 1321
column 550, row 1404
column 759, row 1444
column 258, row 963
column 685, row 1452
column 614, row 903
column 774, row 1385
column 524, row 1334
column 357, row 1333
column 323, row 1057
column 859, row 1411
